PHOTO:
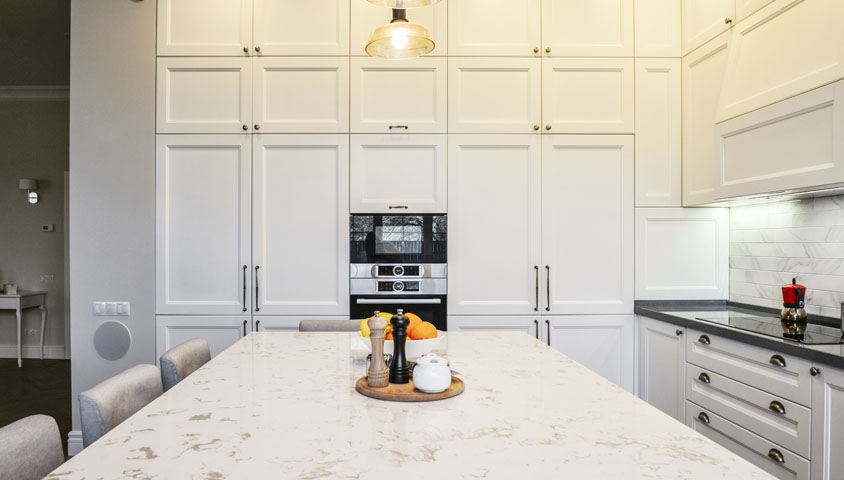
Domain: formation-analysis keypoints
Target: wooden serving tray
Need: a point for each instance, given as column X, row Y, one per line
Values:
column 407, row 392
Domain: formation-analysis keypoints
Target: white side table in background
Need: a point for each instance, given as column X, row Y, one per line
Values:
column 21, row 301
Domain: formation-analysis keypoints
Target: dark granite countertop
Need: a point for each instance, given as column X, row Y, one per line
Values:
column 687, row 313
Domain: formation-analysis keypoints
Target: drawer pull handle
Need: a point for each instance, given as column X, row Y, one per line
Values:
column 703, row 418
column 778, row 361
column 703, row 377
column 776, row 455
column 777, row 407
column 704, row 340
column 394, row 127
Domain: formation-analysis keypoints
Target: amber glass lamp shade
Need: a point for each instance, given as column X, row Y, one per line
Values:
column 400, row 39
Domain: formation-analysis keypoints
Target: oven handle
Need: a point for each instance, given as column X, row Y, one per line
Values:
column 398, row 301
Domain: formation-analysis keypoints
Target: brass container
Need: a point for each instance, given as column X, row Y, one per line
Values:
column 793, row 321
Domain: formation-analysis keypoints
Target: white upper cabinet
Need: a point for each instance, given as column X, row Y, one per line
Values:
column 203, row 223
column 703, row 20
column 503, row 29
column 398, row 174
column 703, row 73
column 297, row 178
column 746, row 7
column 296, row 27
column 590, row 28
column 658, row 28
column 366, row 17
column 587, row 224
column 389, row 96
column 787, row 48
column 494, row 224
column 204, row 95
column 494, row 95
column 204, row 27
column 301, row 95
column 587, row 95
column 658, row 132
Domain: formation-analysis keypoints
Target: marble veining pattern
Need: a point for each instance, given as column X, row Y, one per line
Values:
column 283, row 405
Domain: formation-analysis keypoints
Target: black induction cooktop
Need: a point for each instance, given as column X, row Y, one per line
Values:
column 771, row 326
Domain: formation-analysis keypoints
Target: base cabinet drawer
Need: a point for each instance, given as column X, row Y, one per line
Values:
column 770, row 457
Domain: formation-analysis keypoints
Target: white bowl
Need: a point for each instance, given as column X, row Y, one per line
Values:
column 412, row 348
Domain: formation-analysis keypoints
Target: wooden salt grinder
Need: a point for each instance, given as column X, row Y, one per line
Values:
column 399, row 368
column 377, row 375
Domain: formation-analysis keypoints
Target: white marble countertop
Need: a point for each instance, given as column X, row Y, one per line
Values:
column 283, row 405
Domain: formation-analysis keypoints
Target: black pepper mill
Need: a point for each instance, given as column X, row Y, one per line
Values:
column 399, row 369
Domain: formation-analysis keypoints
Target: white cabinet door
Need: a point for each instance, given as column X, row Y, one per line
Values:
column 366, row 17
column 595, row 28
column 389, row 96
column 526, row 324
column 219, row 332
column 301, row 265
column 744, row 8
column 200, row 28
column 662, row 366
column 294, row 27
column 703, row 20
column 587, row 224
column 301, row 95
column 494, row 95
column 398, row 174
column 659, row 161
column 494, row 230
column 601, row 343
column 204, row 95
column 658, row 28
column 504, row 29
column 827, row 424
column 287, row 323
column 203, row 224
column 587, row 95
column 703, row 73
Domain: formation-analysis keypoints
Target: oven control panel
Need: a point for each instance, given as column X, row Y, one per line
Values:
column 398, row 286
column 399, row 271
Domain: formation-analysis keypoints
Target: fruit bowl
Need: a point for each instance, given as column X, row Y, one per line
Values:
column 413, row 348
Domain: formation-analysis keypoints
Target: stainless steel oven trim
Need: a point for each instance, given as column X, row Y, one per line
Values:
column 398, row 301
column 369, row 286
column 368, row 270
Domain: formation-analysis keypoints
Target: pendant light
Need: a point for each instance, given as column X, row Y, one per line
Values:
column 404, row 4
column 400, row 39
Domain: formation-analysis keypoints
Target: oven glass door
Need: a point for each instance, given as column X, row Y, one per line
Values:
column 430, row 308
column 398, row 238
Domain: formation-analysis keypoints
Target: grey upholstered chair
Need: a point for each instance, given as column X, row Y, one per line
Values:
column 30, row 448
column 111, row 402
column 180, row 361
column 329, row 325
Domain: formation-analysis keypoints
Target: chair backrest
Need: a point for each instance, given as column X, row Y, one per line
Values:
column 182, row 360
column 329, row 325
column 30, row 448
column 111, row 402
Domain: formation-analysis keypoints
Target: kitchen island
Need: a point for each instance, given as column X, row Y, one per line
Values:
column 283, row 405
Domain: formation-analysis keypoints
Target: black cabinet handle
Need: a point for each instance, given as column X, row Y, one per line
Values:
column 703, row 377
column 536, row 324
column 776, row 455
column 678, row 332
column 703, row 418
column 244, row 327
column 257, row 325
column 815, row 371
column 257, row 305
column 547, row 288
column 777, row 407
column 548, row 328
column 704, row 339
column 536, row 271
column 777, row 361
column 244, row 287
column 392, row 127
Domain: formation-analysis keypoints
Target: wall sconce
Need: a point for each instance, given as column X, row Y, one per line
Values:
column 29, row 184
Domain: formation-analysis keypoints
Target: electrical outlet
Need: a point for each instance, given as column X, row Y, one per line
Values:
column 48, row 227
column 30, row 332
column 47, row 278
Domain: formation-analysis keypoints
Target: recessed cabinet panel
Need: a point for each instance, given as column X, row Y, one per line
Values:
column 366, row 17
column 592, row 95
column 203, row 95
column 204, row 27
column 524, row 324
column 389, row 96
column 703, row 20
column 494, row 95
column 203, row 224
column 219, row 332
column 658, row 28
column 505, row 29
column 587, row 28
column 296, row 27
column 398, row 174
column 288, row 323
column 302, row 95
column 744, row 8
column 662, row 362
column 827, row 424
column 296, row 179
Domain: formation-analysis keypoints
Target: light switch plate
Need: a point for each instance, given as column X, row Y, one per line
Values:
column 112, row 309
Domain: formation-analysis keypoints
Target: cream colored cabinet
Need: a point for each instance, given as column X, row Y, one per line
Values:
column 366, row 17
column 494, row 95
column 827, row 423
column 503, row 29
column 288, row 323
column 398, row 174
column 219, row 332
column 658, row 28
column 297, row 178
column 204, row 28
column 588, row 95
column 744, row 8
column 203, row 223
column 596, row 28
column 294, row 27
column 658, row 133
column 703, row 74
column 398, row 97
column 301, row 95
column 526, row 324
column 204, row 95
column 704, row 20
column 662, row 362
column 587, row 246
column 494, row 224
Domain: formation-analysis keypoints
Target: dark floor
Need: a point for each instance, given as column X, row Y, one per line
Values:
column 40, row 386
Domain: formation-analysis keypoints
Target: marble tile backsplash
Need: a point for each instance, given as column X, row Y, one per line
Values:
column 772, row 243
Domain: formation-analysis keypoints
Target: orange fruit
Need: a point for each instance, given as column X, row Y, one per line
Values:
column 424, row 331
column 389, row 335
column 414, row 321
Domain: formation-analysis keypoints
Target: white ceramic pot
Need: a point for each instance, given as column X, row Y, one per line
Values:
column 431, row 374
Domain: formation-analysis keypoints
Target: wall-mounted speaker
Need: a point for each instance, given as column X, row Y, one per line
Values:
column 112, row 340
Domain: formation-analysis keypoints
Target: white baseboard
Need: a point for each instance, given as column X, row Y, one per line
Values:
column 74, row 442
column 32, row 351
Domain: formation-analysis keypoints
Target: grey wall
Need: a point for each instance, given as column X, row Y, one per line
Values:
column 34, row 35
column 112, row 182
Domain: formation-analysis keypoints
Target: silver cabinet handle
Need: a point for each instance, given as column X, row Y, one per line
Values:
column 257, row 304
column 244, row 327
column 547, row 288
column 394, row 127
column 777, row 407
column 776, row 455
column 703, row 377
column 536, row 324
column 703, row 418
column 548, row 330
column 704, row 339
column 777, row 361
column 536, row 271
column 398, row 301
column 245, row 267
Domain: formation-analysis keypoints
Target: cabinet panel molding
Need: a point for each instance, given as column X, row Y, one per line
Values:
column 220, row 332
column 704, row 20
column 204, row 27
column 597, row 28
column 509, row 29
column 662, row 362
column 658, row 28
column 294, row 27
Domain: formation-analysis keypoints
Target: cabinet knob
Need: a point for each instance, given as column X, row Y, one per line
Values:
column 728, row 20
column 678, row 332
column 245, row 49
column 536, row 127
column 257, row 126
column 548, row 127
column 246, row 128
column 815, row 371
column 535, row 49
column 258, row 48
column 547, row 49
